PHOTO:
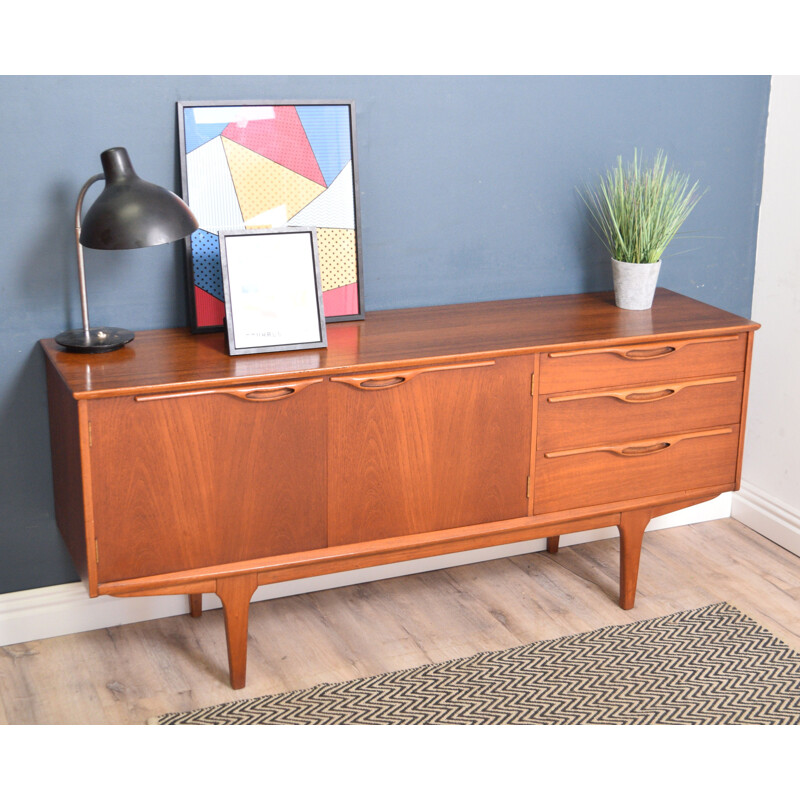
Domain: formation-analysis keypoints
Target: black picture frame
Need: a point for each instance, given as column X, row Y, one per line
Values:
column 313, row 172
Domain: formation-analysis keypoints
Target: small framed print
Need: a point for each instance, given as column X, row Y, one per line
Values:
column 273, row 291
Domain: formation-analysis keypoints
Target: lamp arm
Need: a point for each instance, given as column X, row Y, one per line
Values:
column 79, row 248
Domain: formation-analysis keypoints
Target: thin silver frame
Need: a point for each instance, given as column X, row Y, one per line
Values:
column 229, row 314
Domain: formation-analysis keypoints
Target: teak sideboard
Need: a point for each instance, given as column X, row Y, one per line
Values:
column 181, row 470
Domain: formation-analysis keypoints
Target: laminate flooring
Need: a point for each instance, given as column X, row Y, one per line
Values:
column 126, row 674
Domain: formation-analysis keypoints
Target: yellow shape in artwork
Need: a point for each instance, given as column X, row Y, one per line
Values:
column 337, row 257
column 262, row 184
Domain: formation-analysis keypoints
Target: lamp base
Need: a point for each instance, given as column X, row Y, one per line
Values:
column 95, row 340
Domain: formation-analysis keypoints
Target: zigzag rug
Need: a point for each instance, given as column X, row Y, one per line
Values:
column 710, row 665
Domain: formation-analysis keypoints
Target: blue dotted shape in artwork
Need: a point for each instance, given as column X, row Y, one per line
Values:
column 198, row 134
column 207, row 264
column 328, row 132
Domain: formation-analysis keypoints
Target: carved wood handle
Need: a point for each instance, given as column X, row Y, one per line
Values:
column 642, row 448
column 386, row 380
column 644, row 353
column 644, row 394
column 648, row 353
column 649, row 397
column 253, row 394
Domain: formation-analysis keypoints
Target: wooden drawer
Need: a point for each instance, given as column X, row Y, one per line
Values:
column 588, row 417
column 574, row 478
column 623, row 365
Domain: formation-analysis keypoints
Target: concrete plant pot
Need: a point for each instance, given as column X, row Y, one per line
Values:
column 634, row 284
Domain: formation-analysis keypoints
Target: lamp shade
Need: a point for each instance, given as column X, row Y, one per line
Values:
column 131, row 212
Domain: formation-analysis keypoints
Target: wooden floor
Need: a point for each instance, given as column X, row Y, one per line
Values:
column 130, row 673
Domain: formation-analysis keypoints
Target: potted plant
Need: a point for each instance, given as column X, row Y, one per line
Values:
column 637, row 210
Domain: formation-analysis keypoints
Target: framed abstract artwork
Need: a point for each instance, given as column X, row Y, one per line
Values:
column 260, row 165
column 273, row 292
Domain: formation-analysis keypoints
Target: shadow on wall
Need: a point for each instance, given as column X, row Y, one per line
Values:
column 26, row 487
column 44, row 287
column 594, row 258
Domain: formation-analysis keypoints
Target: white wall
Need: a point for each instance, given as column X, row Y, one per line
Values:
column 770, row 498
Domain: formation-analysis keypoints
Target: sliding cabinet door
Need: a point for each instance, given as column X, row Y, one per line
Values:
column 428, row 448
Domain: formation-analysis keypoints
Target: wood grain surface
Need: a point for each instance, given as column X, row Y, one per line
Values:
column 169, row 359
column 571, row 479
column 448, row 448
column 608, row 415
column 412, row 434
column 193, row 481
column 677, row 360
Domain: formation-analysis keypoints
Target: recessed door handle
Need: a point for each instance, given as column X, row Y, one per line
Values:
column 644, row 353
column 252, row 394
column 387, row 380
column 643, row 394
column 643, row 448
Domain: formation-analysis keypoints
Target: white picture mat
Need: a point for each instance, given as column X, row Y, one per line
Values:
column 273, row 290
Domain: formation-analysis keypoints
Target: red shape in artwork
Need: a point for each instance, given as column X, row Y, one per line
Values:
column 342, row 301
column 281, row 139
column 209, row 310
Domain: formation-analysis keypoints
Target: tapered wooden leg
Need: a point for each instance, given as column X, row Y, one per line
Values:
column 235, row 594
column 552, row 544
column 195, row 605
column 631, row 530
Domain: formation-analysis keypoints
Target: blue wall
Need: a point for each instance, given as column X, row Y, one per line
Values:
column 467, row 193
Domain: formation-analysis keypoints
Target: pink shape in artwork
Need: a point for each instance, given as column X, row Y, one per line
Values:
column 342, row 301
column 281, row 139
column 209, row 310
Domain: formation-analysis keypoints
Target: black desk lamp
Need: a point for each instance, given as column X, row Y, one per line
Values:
column 128, row 213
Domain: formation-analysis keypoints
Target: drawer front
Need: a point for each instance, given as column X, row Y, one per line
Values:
column 624, row 365
column 570, row 479
column 638, row 412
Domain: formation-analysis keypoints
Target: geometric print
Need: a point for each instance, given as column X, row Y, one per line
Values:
column 262, row 184
column 209, row 184
column 263, row 166
column 280, row 138
column 705, row 666
column 207, row 266
column 328, row 132
column 338, row 245
column 333, row 208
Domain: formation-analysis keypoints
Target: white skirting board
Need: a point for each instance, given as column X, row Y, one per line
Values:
column 771, row 517
column 59, row 610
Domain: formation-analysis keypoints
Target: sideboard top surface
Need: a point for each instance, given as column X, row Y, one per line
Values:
column 161, row 360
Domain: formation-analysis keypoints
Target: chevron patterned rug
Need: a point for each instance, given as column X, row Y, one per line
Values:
column 710, row 665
